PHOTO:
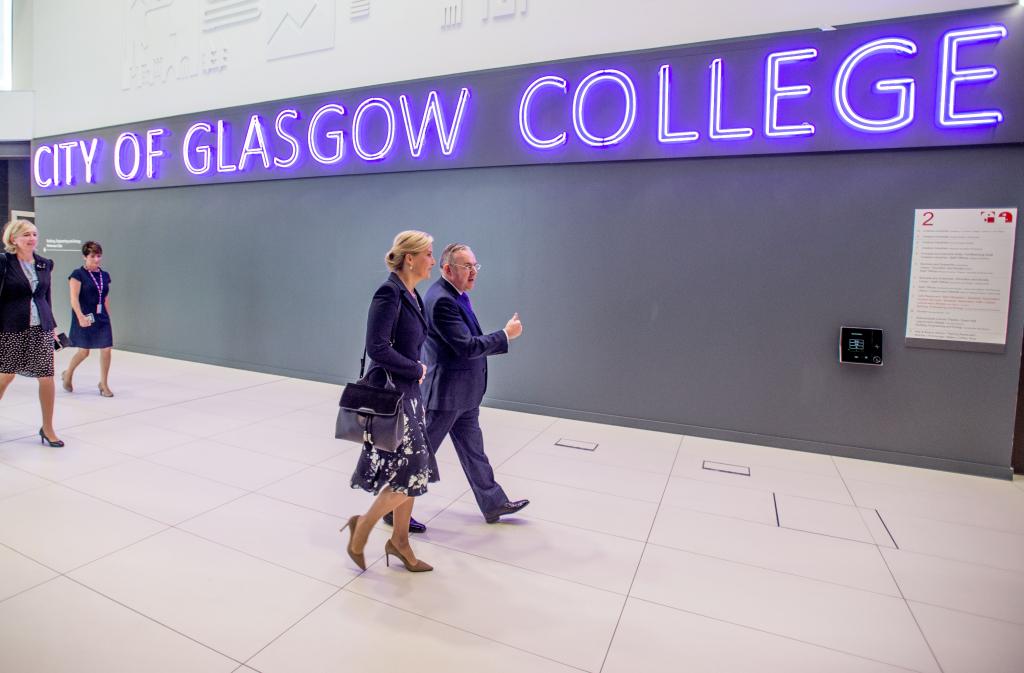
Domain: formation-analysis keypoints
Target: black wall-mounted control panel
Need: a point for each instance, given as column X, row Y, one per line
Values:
column 860, row 346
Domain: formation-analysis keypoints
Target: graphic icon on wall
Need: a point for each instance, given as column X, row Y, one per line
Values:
column 219, row 14
column 360, row 9
column 503, row 9
column 299, row 27
column 451, row 14
column 163, row 43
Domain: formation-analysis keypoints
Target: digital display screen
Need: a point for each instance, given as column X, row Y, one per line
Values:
column 855, row 345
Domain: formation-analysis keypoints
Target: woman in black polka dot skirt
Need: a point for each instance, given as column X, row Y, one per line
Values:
column 27, row 327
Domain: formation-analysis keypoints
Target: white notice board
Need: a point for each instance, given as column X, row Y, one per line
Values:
column 960, row 278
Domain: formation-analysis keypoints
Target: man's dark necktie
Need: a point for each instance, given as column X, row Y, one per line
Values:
column 463, row 299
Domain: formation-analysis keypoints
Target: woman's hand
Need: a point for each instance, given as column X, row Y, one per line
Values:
column 83, row 321
column 424, row 372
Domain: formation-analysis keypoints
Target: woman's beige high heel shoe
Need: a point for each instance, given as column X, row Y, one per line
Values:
column 104, row 391
column 358, row 559
column 419, row 567
column 64, row 382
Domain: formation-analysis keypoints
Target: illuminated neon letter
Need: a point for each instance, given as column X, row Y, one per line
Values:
column 628, row 117
column 389, row 114
column 902, row 87
column 152, row 152
column 201, row 150
column 287, row 137
column 36, row 172
column 223, row 142
column 56, row 164
column 69, row 179
column 715, row 129
column 433, row 110
column 773, row 92
column 89, row 155
column 254, row 134
column 337, row 136
column 136, row 159
column 664, row 98
column 524, row 112
column 950, row 76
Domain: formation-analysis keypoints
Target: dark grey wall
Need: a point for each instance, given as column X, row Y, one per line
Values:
column 702, row 296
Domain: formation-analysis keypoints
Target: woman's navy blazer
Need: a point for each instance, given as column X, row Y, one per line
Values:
column 17, row 293
column 395, row 331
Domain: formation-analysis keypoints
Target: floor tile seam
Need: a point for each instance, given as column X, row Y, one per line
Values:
column 291, row 626
column 20, row 437
column 643, row 552
column 578, row 488
column 142, row 459
column 240, row 448
column 108, row 502
column 170, row 404
column 784, row 636
column 518, row 450
column 555, row 522
column 988, row 529
column 1019, row 572
column 276, row 455
column 899, row 588
column 987, row 566
column 1007, row 497
column 27, row 589
column 871, row 542
column 303, row 468
column 31, row 474
column 256, row 557
column 766, row 524
column 593, row 463
column 25, row 555
column 67, row 573
column 238, row 497
column 586, row 460
column 152, row 619
column 776, row 571
column 754, row 466
column 1001, row 620
column 1008, row 492
column 531, row 571
column 462, row 629
column 587, row 529
column 760, row 489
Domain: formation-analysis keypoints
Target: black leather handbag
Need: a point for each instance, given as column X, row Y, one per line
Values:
column 370, row 414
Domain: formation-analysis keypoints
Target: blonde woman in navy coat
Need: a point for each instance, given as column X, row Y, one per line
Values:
column 395, row 331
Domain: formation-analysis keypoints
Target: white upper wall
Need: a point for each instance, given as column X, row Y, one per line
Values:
column 104, row 62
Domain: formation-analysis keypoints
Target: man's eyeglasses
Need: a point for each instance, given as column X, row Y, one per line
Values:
column 475, row 267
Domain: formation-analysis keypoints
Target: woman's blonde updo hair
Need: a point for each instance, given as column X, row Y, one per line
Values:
column 407, row 243
column 12, row 230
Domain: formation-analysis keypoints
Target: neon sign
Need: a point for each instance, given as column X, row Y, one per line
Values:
column 869, row 87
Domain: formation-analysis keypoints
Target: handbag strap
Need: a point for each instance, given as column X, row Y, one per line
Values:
column 394, row 328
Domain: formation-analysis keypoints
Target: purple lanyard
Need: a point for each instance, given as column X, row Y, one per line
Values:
column 99, row 288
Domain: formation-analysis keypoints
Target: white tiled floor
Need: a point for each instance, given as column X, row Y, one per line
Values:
column 191, row 525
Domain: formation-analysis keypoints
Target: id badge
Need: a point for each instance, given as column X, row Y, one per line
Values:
column 99, row 309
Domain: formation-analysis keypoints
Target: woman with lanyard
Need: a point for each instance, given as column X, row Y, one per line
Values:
column 27, row 328
column 90, row 324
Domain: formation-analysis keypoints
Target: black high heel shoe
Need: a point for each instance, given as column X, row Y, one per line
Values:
column 51, row 442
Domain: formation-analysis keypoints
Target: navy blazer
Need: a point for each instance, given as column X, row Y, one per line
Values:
column 395, row 312
column 17, row 293
column 456, row 352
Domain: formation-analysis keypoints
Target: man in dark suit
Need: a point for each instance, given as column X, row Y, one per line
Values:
column 455, row 353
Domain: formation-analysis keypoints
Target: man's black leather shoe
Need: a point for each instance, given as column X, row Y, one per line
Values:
column 507, row 508
column 414, row 525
